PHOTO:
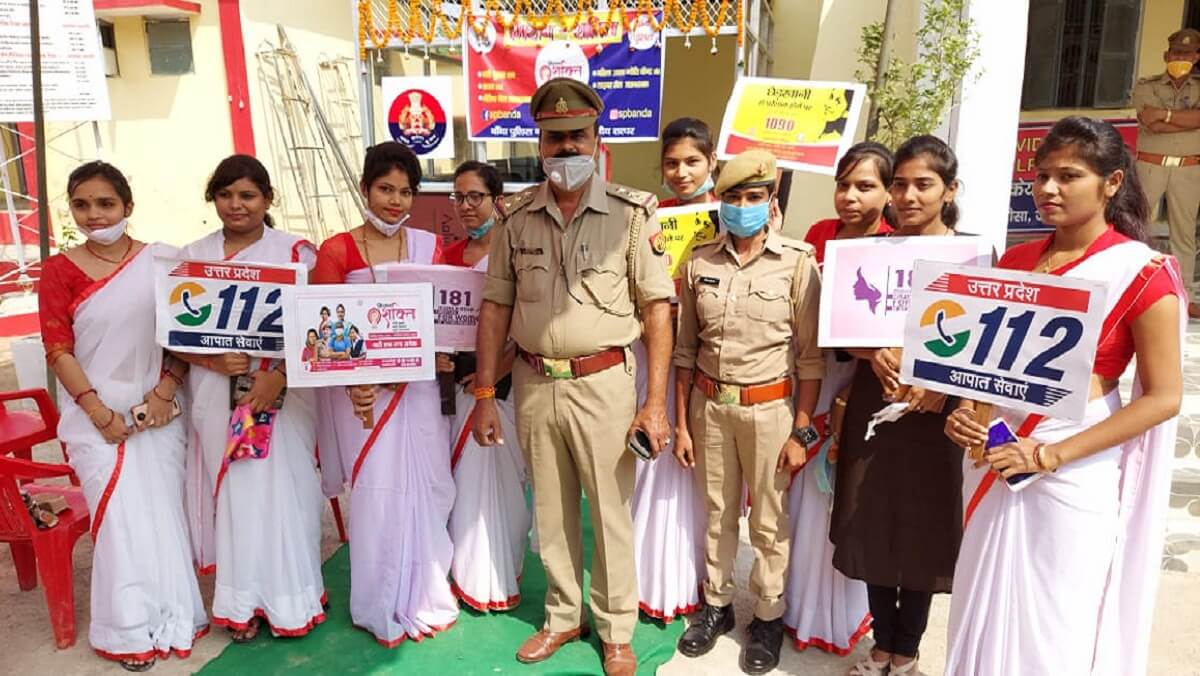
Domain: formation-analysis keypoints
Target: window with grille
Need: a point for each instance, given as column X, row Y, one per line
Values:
column 170, row 44
column 1080, row 53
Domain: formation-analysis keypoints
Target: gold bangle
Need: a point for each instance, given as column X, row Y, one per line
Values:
column 1039, row 461
column 485, row 393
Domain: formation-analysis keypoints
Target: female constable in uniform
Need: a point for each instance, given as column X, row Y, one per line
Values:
column 747, row 323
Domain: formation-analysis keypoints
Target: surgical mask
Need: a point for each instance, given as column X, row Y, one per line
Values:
column 706, row 186
column 744, row 221
column 476, row 233
column 107, row 235
column 1179, row 69
column 387, row 229
column 569, row 173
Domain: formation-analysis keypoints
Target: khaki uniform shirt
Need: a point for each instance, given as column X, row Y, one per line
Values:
column 568, row 283
column 754, row 321
column 1159, row 92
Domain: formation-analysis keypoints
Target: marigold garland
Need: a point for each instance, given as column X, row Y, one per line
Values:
column 674, row 14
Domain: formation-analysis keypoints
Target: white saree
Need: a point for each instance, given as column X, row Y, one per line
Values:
column 401, row 494
column 825, row 609
column 669, row 520
column 145, row 601
column 1061, row 577
column 490, row 522
column 259, row 522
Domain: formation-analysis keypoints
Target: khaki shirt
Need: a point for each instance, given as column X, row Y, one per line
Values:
column 568, row 283
column 1159, row 92
column 751, row 322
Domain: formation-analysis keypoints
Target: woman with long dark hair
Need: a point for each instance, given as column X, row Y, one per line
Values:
column 1060, row 578
column 825, row 609
column 274, row 579
column 901, row 540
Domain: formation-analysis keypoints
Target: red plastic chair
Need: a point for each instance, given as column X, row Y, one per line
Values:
column 45, row 552
column 20, row 431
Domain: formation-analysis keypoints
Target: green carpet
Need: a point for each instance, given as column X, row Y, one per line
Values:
column 477, row 644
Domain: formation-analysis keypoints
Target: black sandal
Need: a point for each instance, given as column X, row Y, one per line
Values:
column 130, row 665
column 254, row 622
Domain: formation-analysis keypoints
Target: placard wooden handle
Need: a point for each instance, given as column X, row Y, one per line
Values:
column 983, row 416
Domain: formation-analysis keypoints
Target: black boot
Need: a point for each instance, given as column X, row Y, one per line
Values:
column 702, row 634
column 762, row 652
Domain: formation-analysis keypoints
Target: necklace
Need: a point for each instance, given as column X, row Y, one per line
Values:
column 128, row 247
column 400, row 254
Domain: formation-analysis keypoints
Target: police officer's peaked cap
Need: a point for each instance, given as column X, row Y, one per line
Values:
column 749, row 169
column 565, row 104
column 1188, row 38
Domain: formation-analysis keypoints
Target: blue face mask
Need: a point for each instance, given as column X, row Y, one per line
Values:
column 476, row 233
column 706, row 186
column 744, row 221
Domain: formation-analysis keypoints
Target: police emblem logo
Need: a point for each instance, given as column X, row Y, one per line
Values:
column 658, row 244
column 560, row 106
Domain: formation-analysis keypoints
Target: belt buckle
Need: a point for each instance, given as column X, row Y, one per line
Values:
column 728, row 394
column 1172, row 161
column 557, row 368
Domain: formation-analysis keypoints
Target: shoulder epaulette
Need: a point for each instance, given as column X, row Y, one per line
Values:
column 638, row 198
column 1148, row 79
column 799, row 245
column 516, row 202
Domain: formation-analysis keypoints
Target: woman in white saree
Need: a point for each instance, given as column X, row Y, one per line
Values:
column 1061, row 577
column 401, row 489
column 96, row 305
column 257, row 520
column 490, row 521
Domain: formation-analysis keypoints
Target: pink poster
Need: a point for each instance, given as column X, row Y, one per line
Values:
column 867, row 284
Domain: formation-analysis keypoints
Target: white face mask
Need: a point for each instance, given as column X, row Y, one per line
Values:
column 570, row 173
column 387, row 229
column 107, row 235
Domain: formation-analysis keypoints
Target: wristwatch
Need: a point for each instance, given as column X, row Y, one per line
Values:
column 806, row 435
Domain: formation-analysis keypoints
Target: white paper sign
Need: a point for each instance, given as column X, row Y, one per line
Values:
column 866, row 284
column 213, row 307
column 457, row 299
column 74, row 88
column 359, row 334
column 1017, row 339
column 420, row 114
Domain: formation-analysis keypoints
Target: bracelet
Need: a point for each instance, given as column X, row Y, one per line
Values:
column 1168, row 120
column 485, row 393
column 154, row 391
column 112, row 415
column 839, row 401
column 84, row 393
column 1039, row 461
column 171, row 374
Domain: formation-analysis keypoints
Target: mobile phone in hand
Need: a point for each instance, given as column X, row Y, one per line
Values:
column 998, row 435
column 639, row 445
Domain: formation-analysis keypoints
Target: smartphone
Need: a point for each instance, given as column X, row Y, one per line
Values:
column 139, row 412
column 240, row 385
column 639, row 445
column 998, row 435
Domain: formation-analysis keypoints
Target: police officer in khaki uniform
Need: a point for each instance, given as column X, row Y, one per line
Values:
column 747, row 325
column 570, row 274
column 1168, row 145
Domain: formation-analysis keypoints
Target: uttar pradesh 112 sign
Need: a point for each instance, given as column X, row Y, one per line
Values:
column 211, row 307
column 1020, row 340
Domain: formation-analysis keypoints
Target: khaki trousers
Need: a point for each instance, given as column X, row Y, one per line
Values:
column 1181, row 185
column 573, row 435
column 735, row 443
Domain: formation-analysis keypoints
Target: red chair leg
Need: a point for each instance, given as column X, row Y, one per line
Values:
column 337, row 518
column 23, row 559
column 55, row 566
